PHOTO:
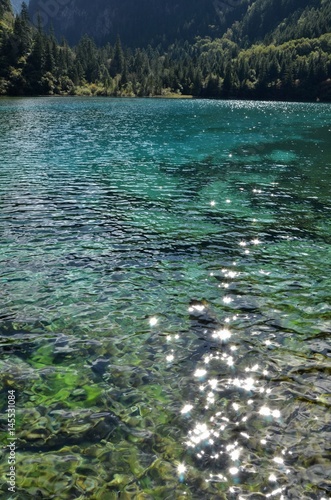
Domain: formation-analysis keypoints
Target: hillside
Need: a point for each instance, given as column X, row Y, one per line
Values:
column 5, row 9
column 138, row 23
column 262, row 49
column 143, row 22
column 17, row 4
column 6, row 18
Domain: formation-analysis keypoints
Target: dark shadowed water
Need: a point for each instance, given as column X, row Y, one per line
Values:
column 165, row 298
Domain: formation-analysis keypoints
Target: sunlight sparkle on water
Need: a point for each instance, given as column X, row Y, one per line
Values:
column 222, row 335
column 197, row 307
column 213, row 383
column 235, row 454
column 276, row 492
column 232, row 274
column 181, row 469
column 230, row 361
column 187, row 408
column 252, row 369
column 267, row 412
column 210, row 398
column 153, row 321
column 266, row 273
column 198, row 434
column 247, row 383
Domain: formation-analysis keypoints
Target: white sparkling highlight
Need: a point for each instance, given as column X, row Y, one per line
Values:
column 223, row 334
column 197, row 307
column 187, row 408
column 181, row 469
column 213, row 383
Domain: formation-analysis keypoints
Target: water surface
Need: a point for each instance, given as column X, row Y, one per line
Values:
column 165, row 298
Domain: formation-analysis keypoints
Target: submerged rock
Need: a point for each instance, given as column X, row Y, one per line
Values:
column 100, row 365
column 62, row 427
column 203, row 325
column 202, row 319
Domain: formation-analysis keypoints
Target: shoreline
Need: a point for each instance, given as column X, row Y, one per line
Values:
column 171, row 97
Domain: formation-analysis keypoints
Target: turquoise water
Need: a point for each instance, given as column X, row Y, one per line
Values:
column 165, row 298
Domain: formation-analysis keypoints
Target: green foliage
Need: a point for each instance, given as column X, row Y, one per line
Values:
column 5, row 8
column 32, row 62
column 117, row 63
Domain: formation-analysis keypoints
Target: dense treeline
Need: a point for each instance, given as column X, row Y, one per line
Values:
column 278, row 21
column 34, row 63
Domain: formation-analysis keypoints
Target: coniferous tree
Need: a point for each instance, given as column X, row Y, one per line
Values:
column 33, row 70
column 33, row 62
column 117, row 62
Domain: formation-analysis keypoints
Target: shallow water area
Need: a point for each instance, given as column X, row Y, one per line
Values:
column 165, row 300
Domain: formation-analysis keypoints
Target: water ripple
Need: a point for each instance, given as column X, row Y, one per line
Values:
column 165, row 306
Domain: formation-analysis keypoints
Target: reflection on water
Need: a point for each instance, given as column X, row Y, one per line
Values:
column 165, row 305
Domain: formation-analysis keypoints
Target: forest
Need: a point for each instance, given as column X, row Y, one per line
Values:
column 291, row 61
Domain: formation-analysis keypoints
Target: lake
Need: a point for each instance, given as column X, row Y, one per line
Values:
column 165, row 298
